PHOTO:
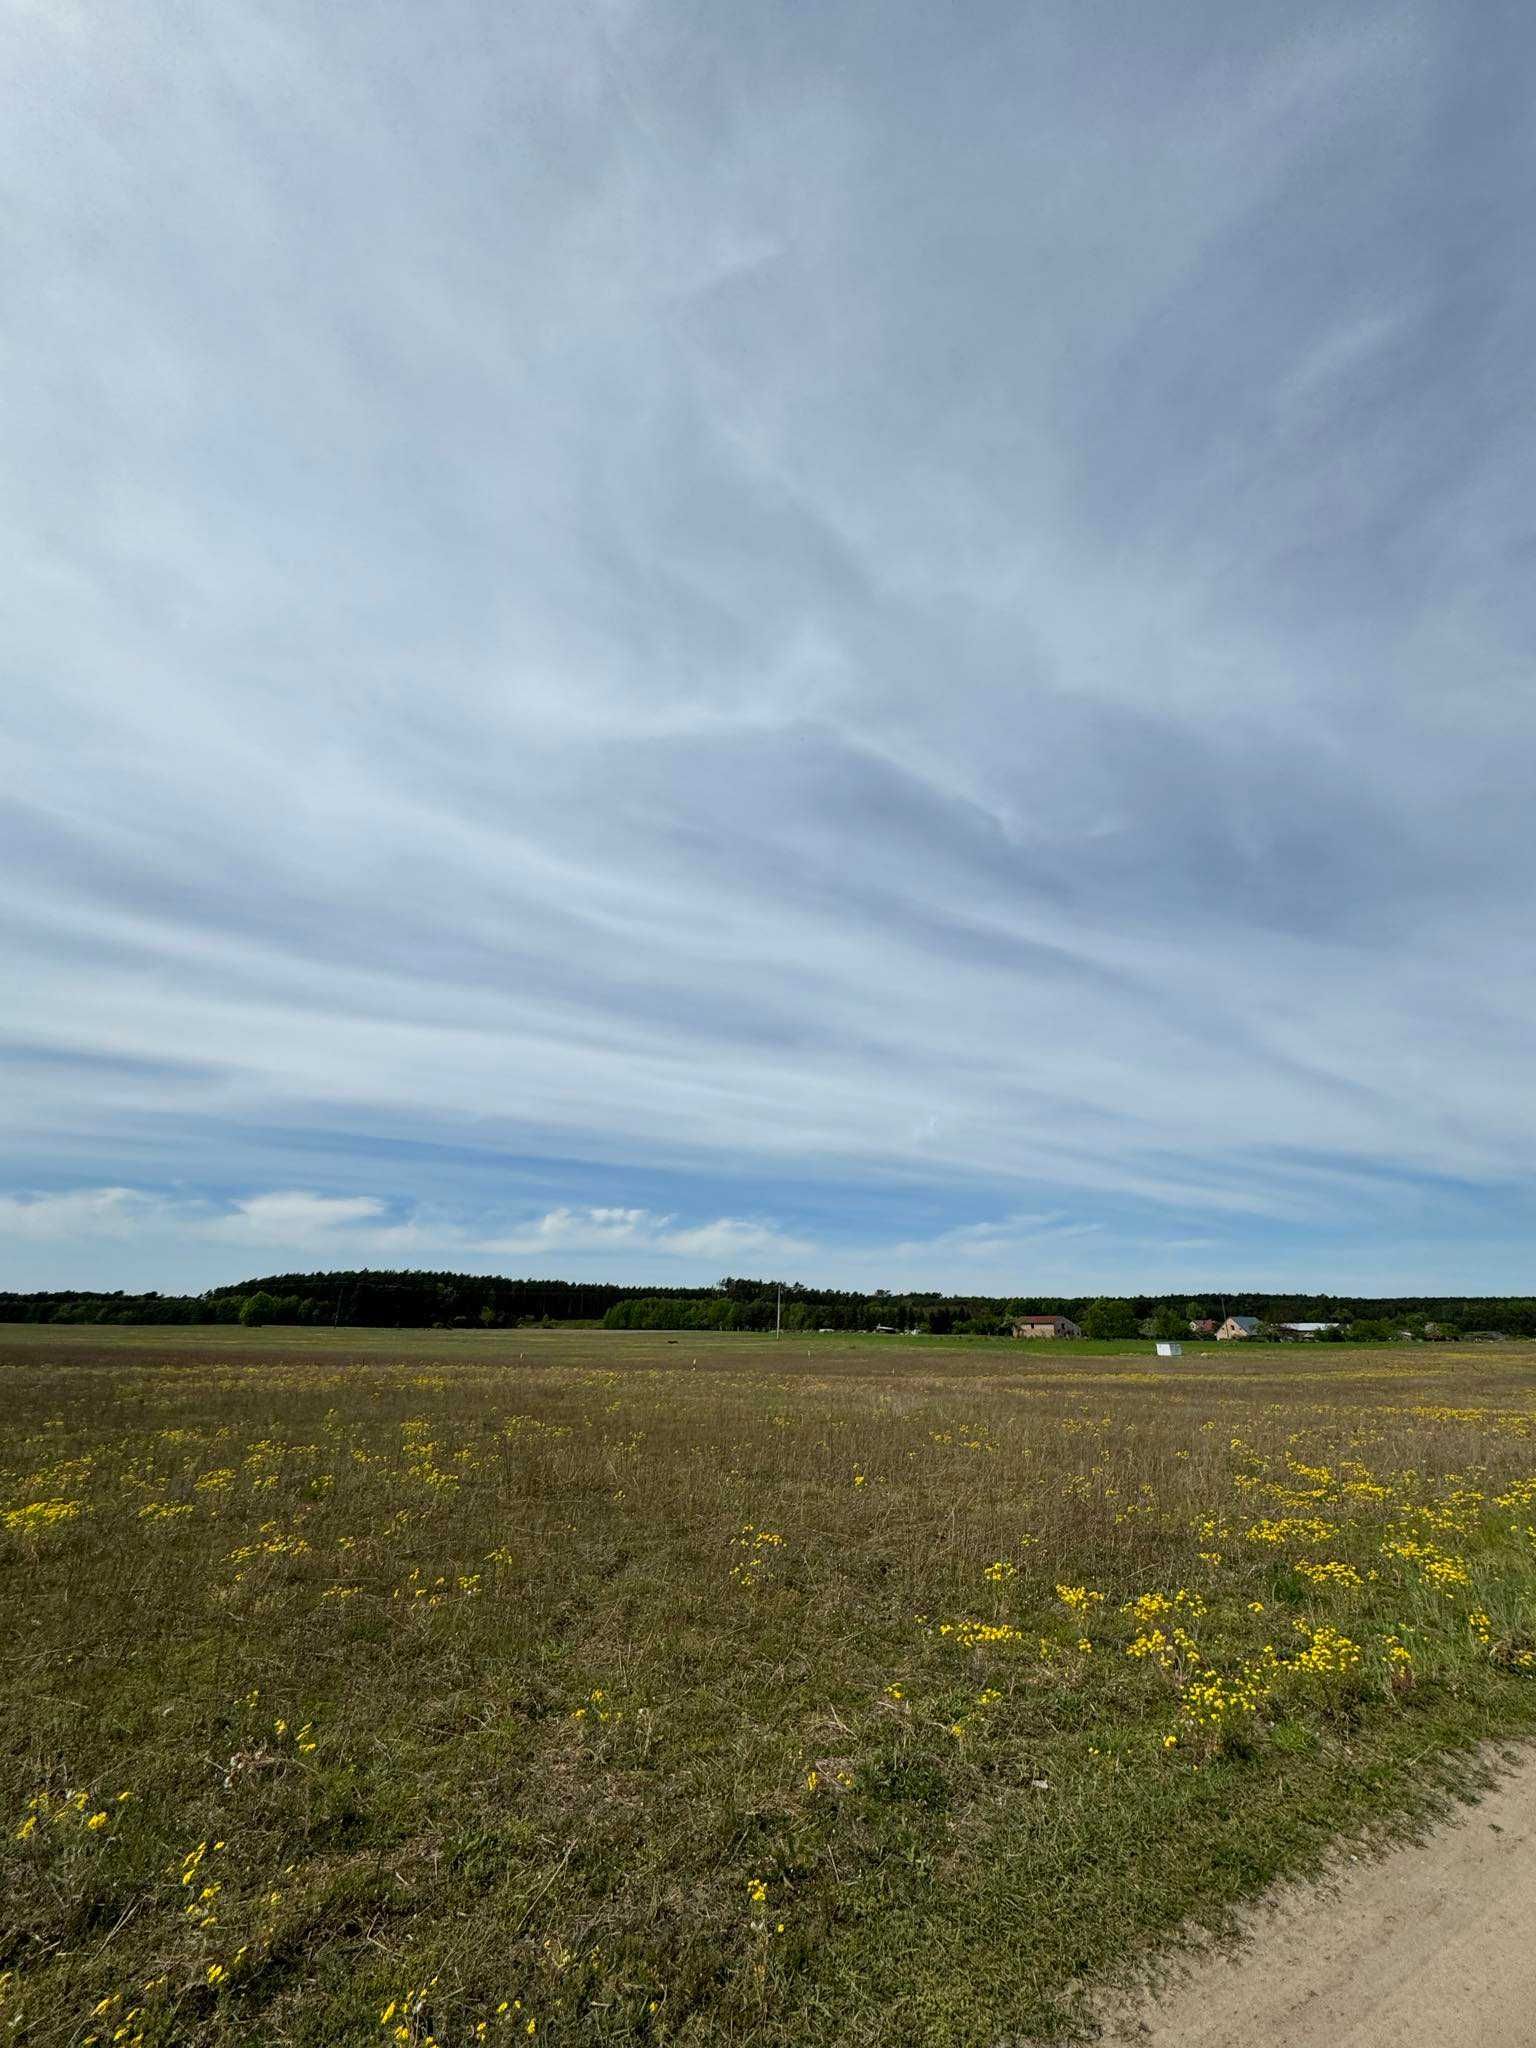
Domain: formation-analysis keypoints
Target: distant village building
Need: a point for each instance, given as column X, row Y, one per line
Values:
column 1045, row 1326
column 1238, row 1326
column 1305, row 1329
column 1203, row 1326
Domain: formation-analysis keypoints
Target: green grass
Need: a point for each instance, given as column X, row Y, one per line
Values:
column 713, row 1690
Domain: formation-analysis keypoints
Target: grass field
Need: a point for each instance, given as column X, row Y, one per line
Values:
column 390, row 1686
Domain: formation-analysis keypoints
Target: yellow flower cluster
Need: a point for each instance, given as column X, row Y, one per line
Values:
column 1291, row 1529
column 275, row 1542
column 1434, row 1565
column 1214, row 1702
column 407, row 2019
column 1079, row 1600
column 67, row 1809
column 757, row 1906
column 596, row 1708
column 1334, row 1574
column 975, row 1635
column 988, row 1698
column 1147, row 1609
column 759, row 1545
column 1328, row 1653
column 1179, row 1651
column 126, row 2031
column 38, row 1515
column 431, row 1592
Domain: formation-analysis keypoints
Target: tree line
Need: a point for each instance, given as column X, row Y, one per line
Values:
column 427, row 1300
column 365, row 1299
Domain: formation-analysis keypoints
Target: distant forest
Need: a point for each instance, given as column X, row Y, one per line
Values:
column 386, row 1300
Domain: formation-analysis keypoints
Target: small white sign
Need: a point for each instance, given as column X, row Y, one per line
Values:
column 1170, row 1350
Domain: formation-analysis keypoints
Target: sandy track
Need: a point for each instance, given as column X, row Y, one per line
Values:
column 1434, row 1946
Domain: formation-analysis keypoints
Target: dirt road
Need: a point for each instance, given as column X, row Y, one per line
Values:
column 1432, row 1947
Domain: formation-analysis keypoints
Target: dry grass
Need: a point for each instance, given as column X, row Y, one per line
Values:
column 618, row 1690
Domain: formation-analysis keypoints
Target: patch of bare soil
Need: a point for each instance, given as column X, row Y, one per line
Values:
column 1432, row 1946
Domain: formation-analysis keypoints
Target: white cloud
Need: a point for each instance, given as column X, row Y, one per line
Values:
column 77, row 1213
column 568, row 1229
column 600, row 1229
column 731, row 1238
column 292, row 1217
column 325, row 1230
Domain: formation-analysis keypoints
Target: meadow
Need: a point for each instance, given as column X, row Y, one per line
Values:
column 372, row 1687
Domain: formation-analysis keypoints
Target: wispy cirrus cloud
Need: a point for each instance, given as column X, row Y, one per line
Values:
column 991, row 1240
column 713, row 656
column 288, row 1217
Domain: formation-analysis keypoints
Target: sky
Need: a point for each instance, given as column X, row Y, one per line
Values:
column 877, row 644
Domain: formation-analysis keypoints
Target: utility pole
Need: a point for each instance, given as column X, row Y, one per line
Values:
column 778, row 1312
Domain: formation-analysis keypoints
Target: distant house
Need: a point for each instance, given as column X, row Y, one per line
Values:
column 1204, row 1326
column 1238, row 1326
column 1045, row 1326
column 1305, row 1329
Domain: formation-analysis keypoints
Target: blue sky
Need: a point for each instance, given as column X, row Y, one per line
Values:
column 888, row 644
